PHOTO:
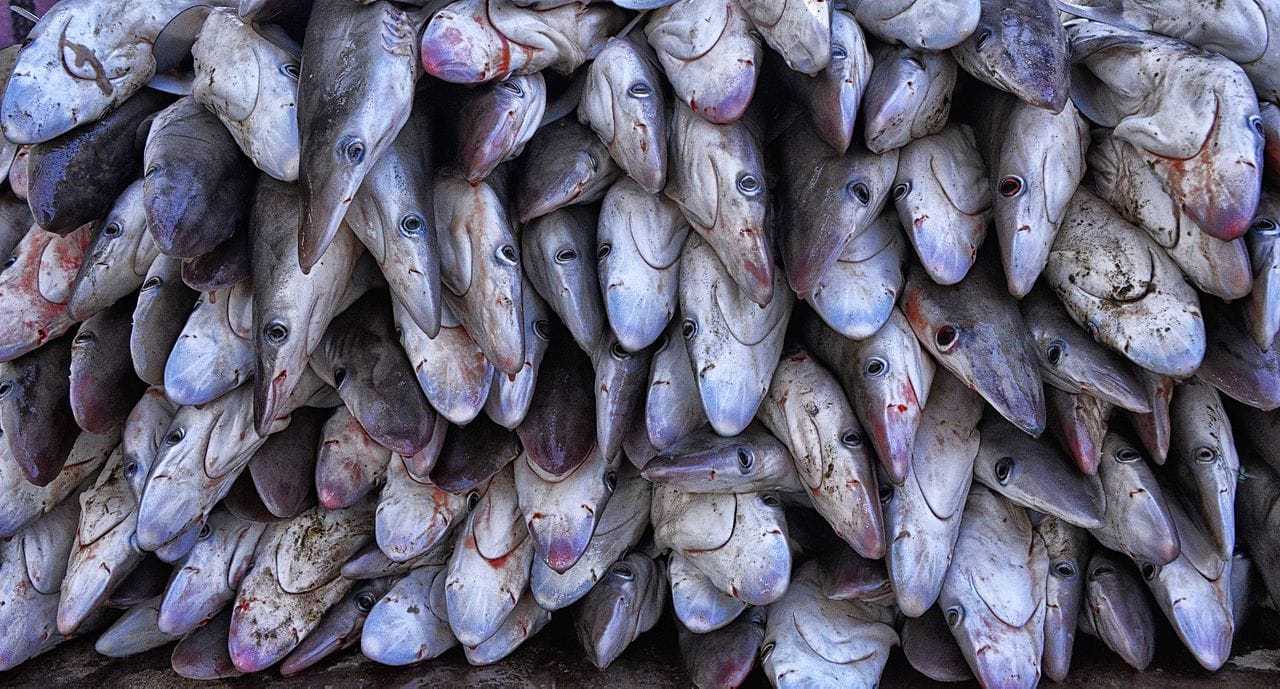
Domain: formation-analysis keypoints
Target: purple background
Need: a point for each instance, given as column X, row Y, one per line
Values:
column 14, row 28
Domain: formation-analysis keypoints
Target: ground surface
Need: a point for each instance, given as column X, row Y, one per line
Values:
column 552, row 659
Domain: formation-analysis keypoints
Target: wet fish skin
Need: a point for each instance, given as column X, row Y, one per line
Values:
column 409, row 623
column 733, row 344
column 1138, row 519
column 1205, row 464
column 36, row 416
column 710, row 54
column 625, row 603
column 349, row 464
column 1078, row 421
column 696, row 602
column 292, row 309
column 1068, row 548
column 931, row 649
column 476, row 41
column 887, row 378
column 858, row 292
column 103, row 386
column 117, row 258
column 624, row 103
column 207, row 578
column 918, row 24
column 350, row 107
column 255, row 91
column 725, row 657
column 1072, row 361
column 562, row 512
column 1118, row 611
column 34, row 562
column 622, row 378
column 831, row 97
column 556, row 255
column 47, row 262
column 1262, row 306
column 974, row 330
column 203, row 653
column 496, row 120
column 195, row 181
column 998, row 619
column 164, row 302
column 812, row 641
column 452, row 370
column 143, row 432
column 1020, row 47
column 807, row 410
column 828, row 201
column 414, row 515
column 15, row 220
column 133, row 633
column 1141, row 306
column 340, row 629
column 526, row 620
column 907, row 96
column 1234, row 364
column 565, row 164
column 214, row 353
column 282, row 469
column 943, row 201
column 798, row 30
column 511, row 395
column 26, row 502
column 1154, row 429
column 717, row 177
column 673, row 407
column 1258, row 491
column 847, row 575
column 706, row 462
column 559, row 431
column 922, row 516
column 108, row 59
column 473, row 454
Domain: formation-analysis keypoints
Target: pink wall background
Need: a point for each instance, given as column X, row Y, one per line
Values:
column 10, row 22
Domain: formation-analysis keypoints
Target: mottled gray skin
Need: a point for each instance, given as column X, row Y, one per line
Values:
column 1202, row 452
column 206, row 579
column 725, row 657
column 974, row 330
column 1072, row 361
column 857, row 294
column 696, row 602
column 195, row 181
column 118, row 257
column 711, row 55
column 214, row 353
column 1034, row 474
column 164, row 302
column 32, row 564
column 27, row 502
column 1154, row 428
column 472, row 454
column 625, row 603
column 1137, row 520
column 409, row 623
column 672, row 407
column 1020, row 47
column 203, row 653
column 562, row 512
column 556, row 254
column 1262, row 306
column 1078, row 421
column 828, row 200
column 558, row 432
column 798, row 30
column 349, row 464
column 993, row 596
column 133, row 632
column 392, row 214
column 103, row 385
column 414, row 516
column 339, row 630
column 622, row 377
column 35, row 287
column 359, row 67
column 510, row 395
column 624, row 103
column 831, row 97
column 907, row 96
column 705, row 462
column 143, row 431
column 918, row 24
column 282, row 469
column 565, row 164
column 36, row 417
column 1234, row 364
column 496, row 120
column 932, row 650
column 526, row 620
column 1117, row 610
column 1068, row 548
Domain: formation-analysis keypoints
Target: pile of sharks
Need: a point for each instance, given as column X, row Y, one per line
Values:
column 827, row 326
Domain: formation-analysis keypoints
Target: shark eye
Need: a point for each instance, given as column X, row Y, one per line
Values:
column 130, row 468
column 661, row 343
column 512, row 86
column 1102, row 571
column 507, row 254
column 915, row 63
column 339, row 375
column 1004, row 468
column 1264, row 225
column 603, row 251
column 411, row 225
column 1149, row 571
column 112, row 230
column 886, row 493
column 1127, row 455
column 84, row 337
column 542, row 329
column 1206, row 455
column 275, row 333
column 623, row 571
column 640, row 90
column 175, row 436
column 955, row 615
column 901, row 190
column 746, row 459
column 473, row 499
column 859, row 191
column 566, row 255
column 838, row 53
column 353, row 149
column 766, row 651
column 1064, row 569
column 749, row 184
column 1011, row 186
column 365, row 601
column 946, row 338
column 770, row 500
column 1256, row 123
column 983, row 38
column 617, row 352
column 1054, row 353
column 290, row 70
column 851, row 438
column 10, row 261
column 152, row 282
column 875, row 367
column 611, row 480
column 5, row 388
column 689, row 328
column 205, row 531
